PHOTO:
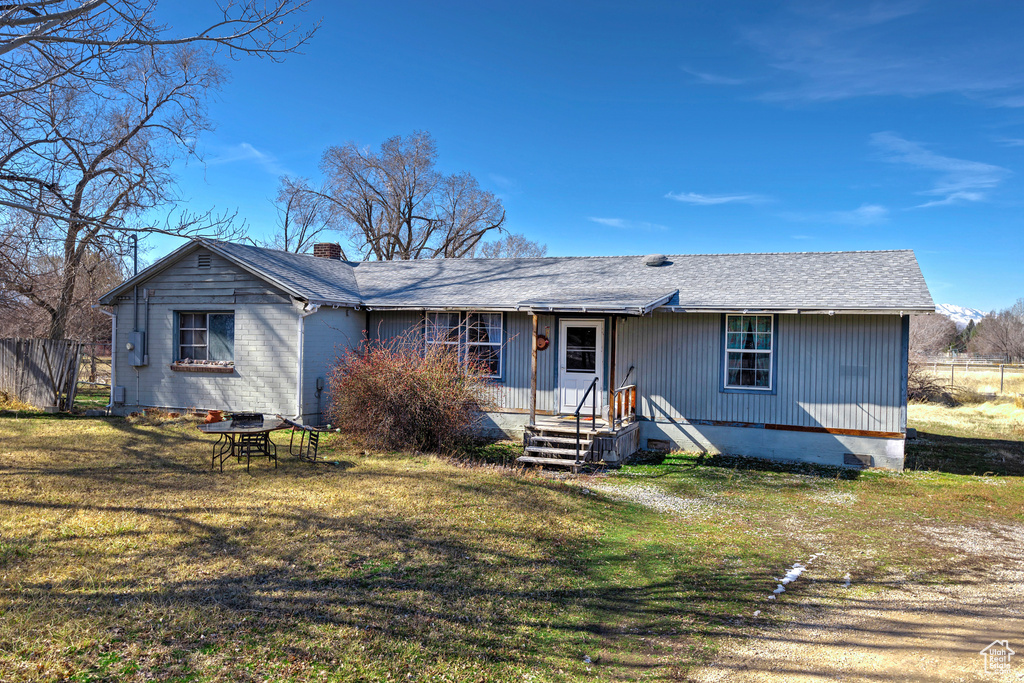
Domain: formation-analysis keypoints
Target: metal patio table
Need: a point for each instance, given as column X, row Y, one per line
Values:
column 247, row 437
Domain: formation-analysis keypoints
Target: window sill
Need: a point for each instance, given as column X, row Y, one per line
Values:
column 748, row 390
column 199, row 367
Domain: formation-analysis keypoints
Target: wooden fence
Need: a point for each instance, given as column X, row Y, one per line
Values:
column 41, row 372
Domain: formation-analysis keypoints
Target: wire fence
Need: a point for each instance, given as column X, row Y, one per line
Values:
column 95, row 367
column 982, row 375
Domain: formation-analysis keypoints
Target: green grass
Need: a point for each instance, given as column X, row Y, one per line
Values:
column 123, row 557
column 91, row 396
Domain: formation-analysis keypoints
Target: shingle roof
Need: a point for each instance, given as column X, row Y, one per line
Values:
column 858, row 280
column 314, row 279
column 862, row 280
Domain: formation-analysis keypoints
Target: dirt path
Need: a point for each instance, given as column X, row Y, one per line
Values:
column 899, row 631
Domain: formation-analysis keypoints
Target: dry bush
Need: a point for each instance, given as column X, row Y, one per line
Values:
column 396, row 395
column 9, row 401
column 922, row 385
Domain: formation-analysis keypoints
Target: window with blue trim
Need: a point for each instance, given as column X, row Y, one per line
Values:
column 749, row 347
column 475, row 337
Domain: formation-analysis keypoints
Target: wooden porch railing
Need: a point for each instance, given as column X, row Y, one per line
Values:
column 623, row 402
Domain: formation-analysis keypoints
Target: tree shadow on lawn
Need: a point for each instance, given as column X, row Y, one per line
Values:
column 439, row 595
column 165, row 457
column 961, row 455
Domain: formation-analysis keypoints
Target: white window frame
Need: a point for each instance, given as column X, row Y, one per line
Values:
column 206, row 330
column 769, row 352
column 462, row 342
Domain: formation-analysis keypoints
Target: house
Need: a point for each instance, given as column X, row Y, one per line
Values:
column 796, row 356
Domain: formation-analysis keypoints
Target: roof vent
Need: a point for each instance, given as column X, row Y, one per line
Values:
column 655, row 260
column 202, row 260
column 330, row 250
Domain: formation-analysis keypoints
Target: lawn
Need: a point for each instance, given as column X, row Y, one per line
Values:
column 123, row 557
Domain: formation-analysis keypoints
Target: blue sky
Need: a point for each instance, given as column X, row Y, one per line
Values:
column 673, row 127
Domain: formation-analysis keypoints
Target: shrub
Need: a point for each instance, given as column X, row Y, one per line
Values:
column 924, row 386
column 395, row 395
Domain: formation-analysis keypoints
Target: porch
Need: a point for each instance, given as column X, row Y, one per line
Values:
column 579, row 440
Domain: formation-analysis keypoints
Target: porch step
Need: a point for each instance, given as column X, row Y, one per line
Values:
column 556, row 451
column 584, row 439
column 556, row 462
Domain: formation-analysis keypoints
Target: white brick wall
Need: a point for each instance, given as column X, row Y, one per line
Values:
column 266, row 361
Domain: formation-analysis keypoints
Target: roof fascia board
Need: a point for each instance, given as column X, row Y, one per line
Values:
column 659, row 302
column 802, row 311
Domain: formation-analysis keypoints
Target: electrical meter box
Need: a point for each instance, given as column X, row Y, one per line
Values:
column 137, row 349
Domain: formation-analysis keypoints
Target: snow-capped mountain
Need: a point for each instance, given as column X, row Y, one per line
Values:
column 960, row 314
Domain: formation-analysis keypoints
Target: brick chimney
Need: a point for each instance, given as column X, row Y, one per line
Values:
column 327, row 250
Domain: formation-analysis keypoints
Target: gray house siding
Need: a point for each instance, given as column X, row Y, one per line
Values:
column 265, row 345
column 512, row 391
column 326, row 335
column 839, row 372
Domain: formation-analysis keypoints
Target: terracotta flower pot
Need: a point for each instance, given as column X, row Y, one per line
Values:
column 214, row 416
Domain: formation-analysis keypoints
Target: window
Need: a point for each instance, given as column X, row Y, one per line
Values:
column 749, row 345
column 475, row 337
column 206, row 336
column 581, row 349
column 483, row 341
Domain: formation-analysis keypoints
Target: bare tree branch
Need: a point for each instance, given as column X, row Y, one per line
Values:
column 393, row 204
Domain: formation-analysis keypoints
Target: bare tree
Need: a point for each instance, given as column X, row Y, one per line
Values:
column 930, row 334
column 81, row 164
column 96, row 103
column 43, row 42
column 393, row 204
column 1001, row 333
column 513, row 245
column 303, row 214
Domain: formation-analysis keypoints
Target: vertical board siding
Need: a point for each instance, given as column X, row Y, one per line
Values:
column 512, row 392
column 839, row 372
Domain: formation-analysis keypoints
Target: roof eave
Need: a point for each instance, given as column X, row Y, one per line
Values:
column 866, row 310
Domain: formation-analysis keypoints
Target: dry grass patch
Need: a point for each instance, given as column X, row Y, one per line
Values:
column 123, row 557
column 1000, row 419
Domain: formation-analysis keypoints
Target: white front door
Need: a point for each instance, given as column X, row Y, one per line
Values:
column 580, row 360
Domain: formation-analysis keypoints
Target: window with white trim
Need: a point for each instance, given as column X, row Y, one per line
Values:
column 475, row 337
column 749, row 347
column 206, row 336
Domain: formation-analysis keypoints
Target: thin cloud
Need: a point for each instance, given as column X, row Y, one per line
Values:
column 960, row 180
column 888, row 48
column 244, row 152
column 864, row 215
column 867, row 214
column 1010, row 142
column 714, row 79
column 714, row 199
column 623, row 224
